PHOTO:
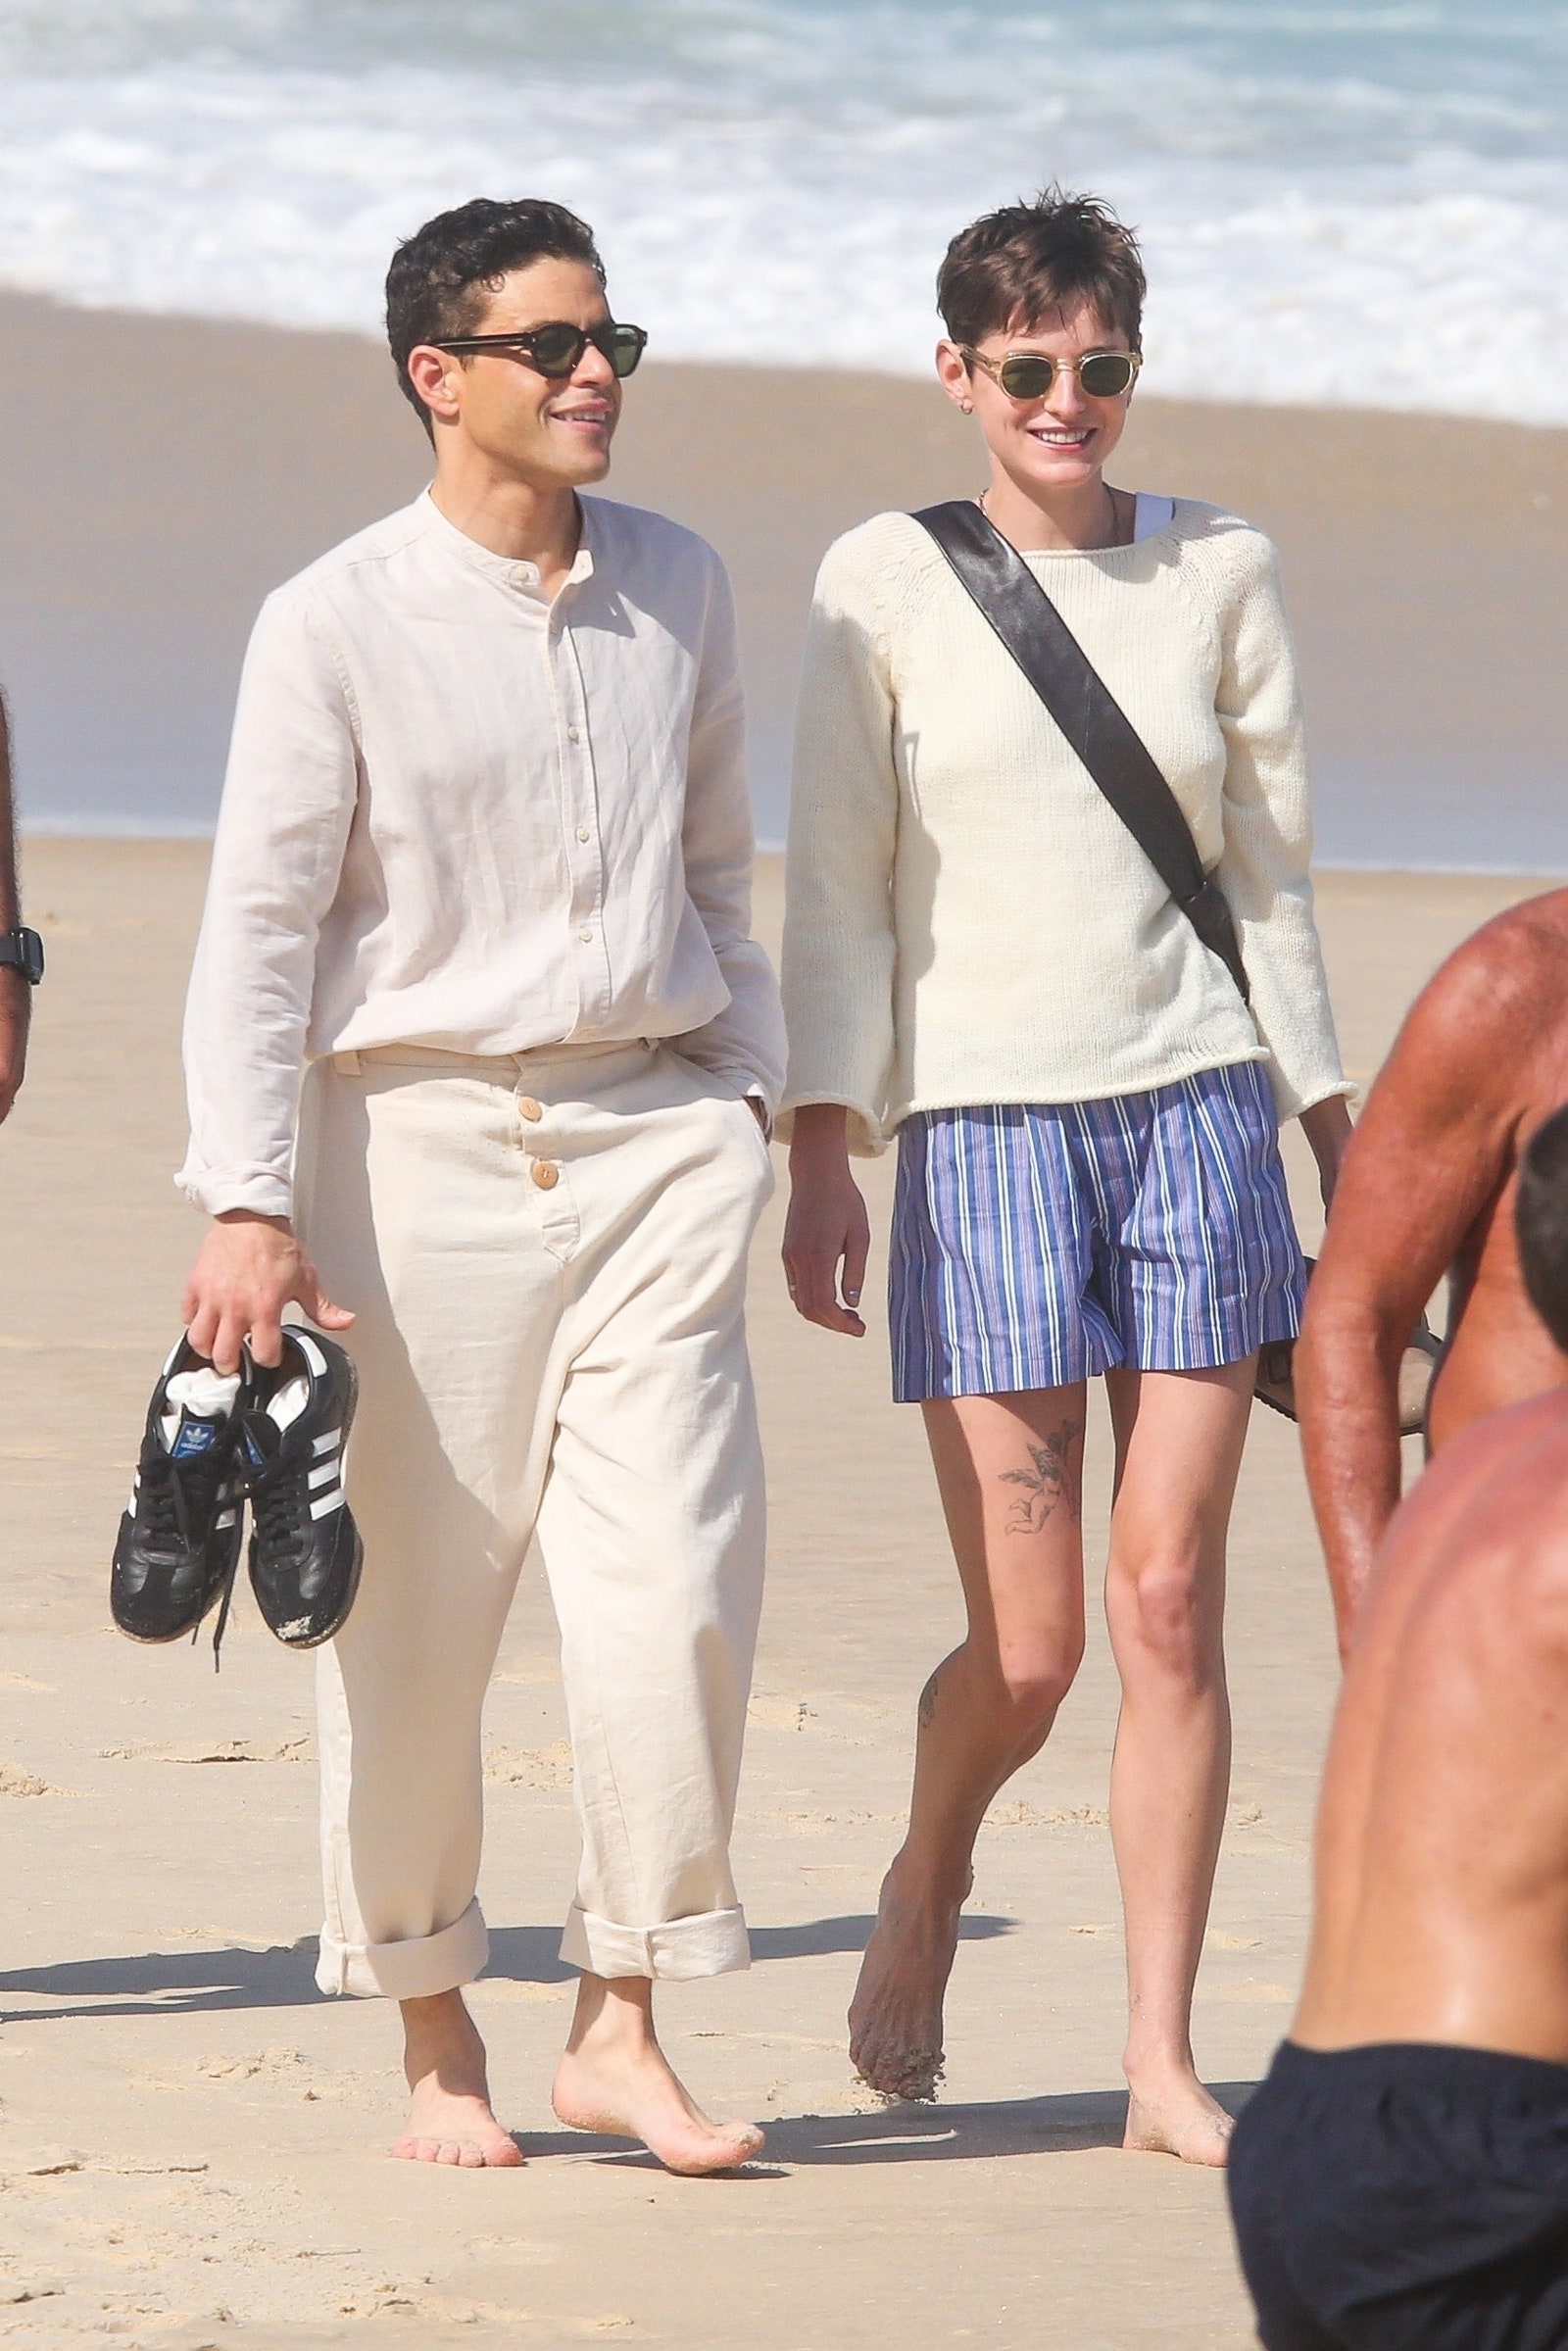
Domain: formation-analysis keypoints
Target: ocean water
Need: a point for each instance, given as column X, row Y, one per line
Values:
column 1332, row 196
column 1362, row 204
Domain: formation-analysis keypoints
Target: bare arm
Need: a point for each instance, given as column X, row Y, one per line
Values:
column 16, row 997
column 1431, row 1148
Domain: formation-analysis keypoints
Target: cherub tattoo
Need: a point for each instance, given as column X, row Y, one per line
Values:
column 1045, row 1485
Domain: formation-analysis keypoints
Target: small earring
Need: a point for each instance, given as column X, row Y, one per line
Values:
column 967, row 407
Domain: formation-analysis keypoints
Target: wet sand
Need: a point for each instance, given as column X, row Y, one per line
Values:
column 190, row 2138
column 163, row 473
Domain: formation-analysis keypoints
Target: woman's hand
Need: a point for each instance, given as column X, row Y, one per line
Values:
column 1327, row 1127
column 827, row 1226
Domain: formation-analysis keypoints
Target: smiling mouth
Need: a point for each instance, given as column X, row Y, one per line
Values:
column 579, row 416
column 1062, row 436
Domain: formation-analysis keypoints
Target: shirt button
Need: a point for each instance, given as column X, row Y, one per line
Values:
column 546, row 1174
column 573, row 735
column 584, row 832
column 586, row 934
column 527, row 1107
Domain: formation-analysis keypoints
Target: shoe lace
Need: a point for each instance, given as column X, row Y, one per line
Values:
column 180, row 1496
column 278, row 1510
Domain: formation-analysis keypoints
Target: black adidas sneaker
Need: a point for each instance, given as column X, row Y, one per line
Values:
column 292, row 1426
column 179, row 1541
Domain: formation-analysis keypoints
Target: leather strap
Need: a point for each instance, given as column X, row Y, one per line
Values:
column 1088, row 713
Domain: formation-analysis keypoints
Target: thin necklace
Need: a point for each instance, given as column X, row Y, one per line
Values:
column 1115, row 515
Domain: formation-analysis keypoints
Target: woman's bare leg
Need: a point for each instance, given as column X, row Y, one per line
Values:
column 1179, row 1439
column 1011, row 1473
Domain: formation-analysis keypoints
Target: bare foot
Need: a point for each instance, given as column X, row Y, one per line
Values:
column 896, row 2014
column 614, row 2078
column 450, row 2118
column 1174, row 2115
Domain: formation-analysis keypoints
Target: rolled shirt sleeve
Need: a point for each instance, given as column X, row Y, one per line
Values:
column 289, row 796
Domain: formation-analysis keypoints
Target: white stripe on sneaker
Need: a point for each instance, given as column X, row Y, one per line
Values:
column 327, row 1503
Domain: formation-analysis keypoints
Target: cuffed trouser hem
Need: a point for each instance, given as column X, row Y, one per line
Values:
column 713, row 1944
column 413, row 1969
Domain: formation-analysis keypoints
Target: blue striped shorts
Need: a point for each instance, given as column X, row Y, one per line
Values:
column 1038, row 1244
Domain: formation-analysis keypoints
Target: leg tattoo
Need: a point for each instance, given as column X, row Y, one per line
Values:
column 926, row 1711
column 1046, row 1483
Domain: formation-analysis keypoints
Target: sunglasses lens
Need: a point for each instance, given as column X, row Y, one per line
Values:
column 1105, row 374
column 1026, row 375
column 557, row 349
column 626, row 346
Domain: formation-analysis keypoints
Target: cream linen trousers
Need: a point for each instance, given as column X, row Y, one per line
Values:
column 547, row 1258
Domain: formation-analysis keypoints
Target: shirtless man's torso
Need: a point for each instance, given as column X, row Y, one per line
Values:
column 1427, row 1188
column 1402, row 2177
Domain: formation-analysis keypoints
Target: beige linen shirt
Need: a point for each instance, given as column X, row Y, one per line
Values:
column 458, row 813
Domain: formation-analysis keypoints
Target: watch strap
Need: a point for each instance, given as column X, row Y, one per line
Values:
column 23, row 951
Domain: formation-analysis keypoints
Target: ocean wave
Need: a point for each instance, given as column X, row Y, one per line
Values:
column 1338, row 204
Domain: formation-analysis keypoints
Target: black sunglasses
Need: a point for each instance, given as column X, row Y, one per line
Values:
column 1030, row 374
column 557, row 349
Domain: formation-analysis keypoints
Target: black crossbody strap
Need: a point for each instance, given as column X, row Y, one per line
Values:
column 1088, row 713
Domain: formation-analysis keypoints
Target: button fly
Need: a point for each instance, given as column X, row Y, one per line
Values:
column 528, row 1108
column 546, row 1174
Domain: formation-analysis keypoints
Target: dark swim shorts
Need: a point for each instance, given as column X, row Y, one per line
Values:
column 1405, row 2196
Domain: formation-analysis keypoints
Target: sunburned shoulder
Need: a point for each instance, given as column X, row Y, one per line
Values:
column 1504, row 984
column 1497, row 1488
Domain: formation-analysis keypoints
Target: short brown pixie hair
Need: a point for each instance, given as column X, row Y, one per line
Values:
column 1014, row 267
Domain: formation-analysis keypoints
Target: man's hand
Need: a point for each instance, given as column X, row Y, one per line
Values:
column 827, row 1226
column 250, row 1268
column 16, row 1015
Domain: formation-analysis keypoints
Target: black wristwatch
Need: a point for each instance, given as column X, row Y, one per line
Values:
column 25, row 951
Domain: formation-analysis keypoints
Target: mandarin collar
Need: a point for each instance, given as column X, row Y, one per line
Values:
column 504, row 569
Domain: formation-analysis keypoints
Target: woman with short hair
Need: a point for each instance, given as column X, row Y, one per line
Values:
column 982, row 960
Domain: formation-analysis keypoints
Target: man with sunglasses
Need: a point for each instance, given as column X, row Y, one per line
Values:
column 483, row 872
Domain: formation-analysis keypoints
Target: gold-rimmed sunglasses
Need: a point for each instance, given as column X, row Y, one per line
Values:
column 1030, row 374
column 556, row 350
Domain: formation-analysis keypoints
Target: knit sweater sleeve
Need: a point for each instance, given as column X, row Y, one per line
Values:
column 1265, row 870
column 839, row 939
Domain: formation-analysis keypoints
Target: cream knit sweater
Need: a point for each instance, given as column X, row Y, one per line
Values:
column 969, row 920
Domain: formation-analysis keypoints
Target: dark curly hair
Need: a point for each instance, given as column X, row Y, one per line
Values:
column 1020, row 264
column 440, row 276
column 1541, row 1218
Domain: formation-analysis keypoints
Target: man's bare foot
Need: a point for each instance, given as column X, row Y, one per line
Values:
column 1173, row 2113
column 614, row 2078
column 896, row 2014
column 450, row 2118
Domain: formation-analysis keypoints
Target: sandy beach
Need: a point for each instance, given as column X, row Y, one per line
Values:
column 190, row 2140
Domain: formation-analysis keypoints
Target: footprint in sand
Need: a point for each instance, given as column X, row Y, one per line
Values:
column 529, row 1767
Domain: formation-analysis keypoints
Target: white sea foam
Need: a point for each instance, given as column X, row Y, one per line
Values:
column 1364, row 203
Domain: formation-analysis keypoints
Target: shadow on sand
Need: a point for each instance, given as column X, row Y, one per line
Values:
column 197, row 1981
column 906, row 2134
